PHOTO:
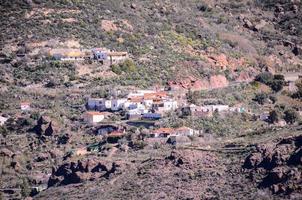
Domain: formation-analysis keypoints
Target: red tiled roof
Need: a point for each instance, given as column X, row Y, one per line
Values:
column 94, row 113
column 155, row 95
column 164, row 130
column 136, row 99
column 116, row 134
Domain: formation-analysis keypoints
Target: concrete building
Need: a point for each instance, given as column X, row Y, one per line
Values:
column 117, row 104
column 161, row 132
column 117, row 57
column 94, row 117
column 185, row 131
column 179, row 141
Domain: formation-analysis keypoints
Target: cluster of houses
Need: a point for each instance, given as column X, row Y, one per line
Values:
column 141, row 104
column 171, row 132
column 208, row 110
column 98, row 54
column 174, row 136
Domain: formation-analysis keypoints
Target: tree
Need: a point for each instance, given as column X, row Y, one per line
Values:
column 277, row 85
column 264, row 77
column 276, row 82
column 260, row 98
column 279, row 77
column 25, row 188
column 274, row 116
column 291, row 116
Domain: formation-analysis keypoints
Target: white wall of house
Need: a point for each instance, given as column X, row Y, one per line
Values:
column 3, row 120
column 117, row 59
column 220, row 108
column 117, row 104
column 185, row 132
column 148, row 102
column 108, row 104
column 25, row 107
column 94, row 118
column 170, row 105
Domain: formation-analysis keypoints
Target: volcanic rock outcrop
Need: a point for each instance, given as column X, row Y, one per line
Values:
column 278, row 166
column 71, row 172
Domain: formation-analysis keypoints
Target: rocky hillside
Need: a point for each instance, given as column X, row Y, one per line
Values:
column 198, row 38
column 277, row 166
column 241, row 54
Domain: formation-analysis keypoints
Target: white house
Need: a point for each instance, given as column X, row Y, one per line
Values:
column 3, row 120
column 185, row 131
column 94, row 117
column 170, row 105
column 220, row 108
column 25, row 106
column 134, row 114
column 117, row 104
column 165, row 106
column 148, row 102
column 117, row 57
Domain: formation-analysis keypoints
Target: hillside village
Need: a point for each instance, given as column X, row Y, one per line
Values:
column 150, row 99
column 112, row 117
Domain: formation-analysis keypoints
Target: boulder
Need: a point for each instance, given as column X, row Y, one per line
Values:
column 176, row 158
column 49, row 130
column 248, row 24
column 253, row 160
column 260, row 25
column 133, row 6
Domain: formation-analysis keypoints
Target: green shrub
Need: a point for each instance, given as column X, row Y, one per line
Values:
column 291, row 116
column 274, row 116
column 128, row 66
column 261, row 98
column 264, row 77
column 276, row 82
column 277, row 85
column 116, row 69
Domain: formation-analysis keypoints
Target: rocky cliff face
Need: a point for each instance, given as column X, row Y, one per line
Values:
column 278, row 165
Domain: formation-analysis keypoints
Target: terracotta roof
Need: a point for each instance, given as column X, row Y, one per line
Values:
column 164, row 130
column 25, row 103
column 155, row 95
column 94, row 113
column 136, row 99
column 116, row 133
